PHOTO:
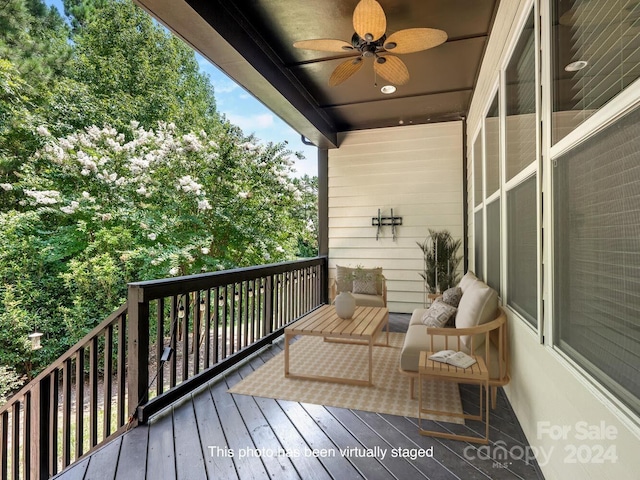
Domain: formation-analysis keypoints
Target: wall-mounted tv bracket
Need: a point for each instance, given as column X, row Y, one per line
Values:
column 381, row 221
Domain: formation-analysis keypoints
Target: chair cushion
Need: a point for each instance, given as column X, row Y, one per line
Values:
column 348, row 275
column 364, row 300
column 479, row 305
column 438, row 314
column 417, row 341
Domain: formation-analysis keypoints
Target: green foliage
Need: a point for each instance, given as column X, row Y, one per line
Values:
column 115, row 167
column 132, row 69
column 440, row 261
column 10, row 381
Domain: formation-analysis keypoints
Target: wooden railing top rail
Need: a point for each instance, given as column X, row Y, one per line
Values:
column 154, row 289
column 86, row 340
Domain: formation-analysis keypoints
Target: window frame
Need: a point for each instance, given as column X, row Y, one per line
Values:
column 534, row 168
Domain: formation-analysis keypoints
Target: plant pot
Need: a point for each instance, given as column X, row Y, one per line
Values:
column 345, row 304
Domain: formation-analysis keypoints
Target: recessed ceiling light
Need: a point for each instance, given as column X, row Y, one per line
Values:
column 388, row 89
column 575, row 66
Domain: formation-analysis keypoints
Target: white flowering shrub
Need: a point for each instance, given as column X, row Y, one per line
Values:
column 103, row 208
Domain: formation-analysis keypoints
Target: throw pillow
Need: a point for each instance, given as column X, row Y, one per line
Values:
column 438, row 314
column 365, row 284
column 344, row 279
column 452, row 296
column 478, row 305
column 452, row 321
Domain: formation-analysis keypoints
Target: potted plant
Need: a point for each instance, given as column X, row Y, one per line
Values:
column 440, row 261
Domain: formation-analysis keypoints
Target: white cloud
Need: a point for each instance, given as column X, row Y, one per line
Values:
column 251, row 123
column 224, row 88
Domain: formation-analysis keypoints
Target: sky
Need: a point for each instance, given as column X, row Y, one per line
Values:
column 243, row 110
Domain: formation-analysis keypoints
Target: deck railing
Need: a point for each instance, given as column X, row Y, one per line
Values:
column 172, row 336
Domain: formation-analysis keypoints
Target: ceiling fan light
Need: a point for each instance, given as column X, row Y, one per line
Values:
column 368, row 37
column 388, row 89
column 381, row 59
column 390, row 45
column 576, row 66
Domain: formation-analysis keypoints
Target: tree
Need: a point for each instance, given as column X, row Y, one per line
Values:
column 125, row 67
column 33, row 53
column 92, row 198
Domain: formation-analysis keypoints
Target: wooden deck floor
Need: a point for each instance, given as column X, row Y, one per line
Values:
column 195, row 439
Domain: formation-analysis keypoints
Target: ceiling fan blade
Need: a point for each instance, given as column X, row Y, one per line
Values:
column 325, row 45
column 344, row 71
column 392, row 69
column 369, row 20
column 414, row 40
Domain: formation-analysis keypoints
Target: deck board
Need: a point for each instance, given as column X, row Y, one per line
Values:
column 263, row 437
column 237, row 436
column 291, row 440
column 101, row 463
column 161, row 458
column 336, row 466
column 188, row 449
column 131, row 464
column 355, row 435
column 212, row 436
column 177, row 443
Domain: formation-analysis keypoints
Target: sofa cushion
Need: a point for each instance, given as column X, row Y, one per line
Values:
column 417, row 341
column 467, row 280
column 479, row 305
column 438, row 314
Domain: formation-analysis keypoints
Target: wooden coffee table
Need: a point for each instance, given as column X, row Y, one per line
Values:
column 367, row 323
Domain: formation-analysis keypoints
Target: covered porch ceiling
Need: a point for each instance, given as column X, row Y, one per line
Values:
column 252, row 42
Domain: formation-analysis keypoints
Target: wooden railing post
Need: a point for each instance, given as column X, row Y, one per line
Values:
column 138, row 349
column 40, row 448
column 324, row 281
column 268, row 305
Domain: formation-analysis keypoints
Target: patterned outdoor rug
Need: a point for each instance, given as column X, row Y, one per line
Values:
column 389, row 393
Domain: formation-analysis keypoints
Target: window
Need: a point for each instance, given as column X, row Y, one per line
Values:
column 522, row 251
column 477, row 170
column 597, row 256
column 493, row 245
column 478, row 234
column 596, row 46
column 492, row 147
column 521, row 286
column 520, row 86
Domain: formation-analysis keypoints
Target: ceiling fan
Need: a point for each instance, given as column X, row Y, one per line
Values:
column 370, row 41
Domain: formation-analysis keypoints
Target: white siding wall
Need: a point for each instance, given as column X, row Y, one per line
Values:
column 417, row 171
column 545, row 390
